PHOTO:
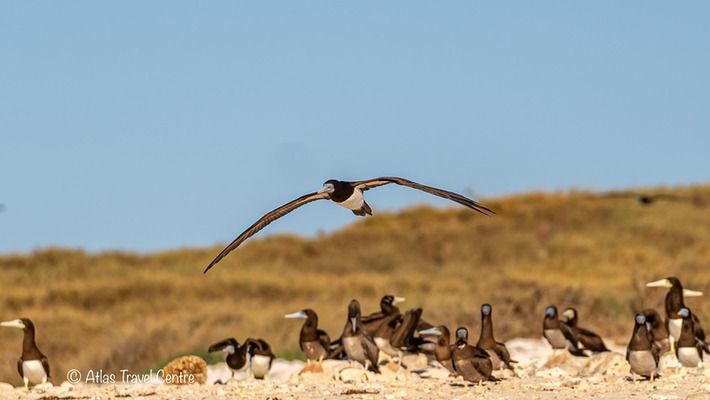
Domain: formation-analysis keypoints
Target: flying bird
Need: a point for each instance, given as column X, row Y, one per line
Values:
column 348, row 195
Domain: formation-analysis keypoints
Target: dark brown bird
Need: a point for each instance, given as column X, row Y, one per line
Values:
column 358, row 344
column 388, row 310
column 314, row 342
column 691, row 344
column 658, row 329
column 237, row 355
column 673, row 304
column 261, row 357
column 471, row 362
column 500, row 357
column 348, row 195
column 33, row 366
column 642, row 353
column 444, row 349
column 590, row 340
column 559, row 335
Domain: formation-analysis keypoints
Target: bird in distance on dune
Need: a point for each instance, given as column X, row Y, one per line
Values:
column 348, row 195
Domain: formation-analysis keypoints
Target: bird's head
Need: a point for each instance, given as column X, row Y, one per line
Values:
column 328, row 186
column 640, row 319
column 550, row 311
column 570, row 314
column 684, row 312
column 486, row 309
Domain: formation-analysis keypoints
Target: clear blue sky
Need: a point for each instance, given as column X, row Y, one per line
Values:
column 148, row 125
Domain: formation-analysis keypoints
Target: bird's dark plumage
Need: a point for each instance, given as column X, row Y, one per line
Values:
column 358, row 344
column 471, row 362
column 314, row 342
column 349, row 195
column 33, row 365
column 559, row 335
column 588, row 339
column 500, row 357
column 642, row 353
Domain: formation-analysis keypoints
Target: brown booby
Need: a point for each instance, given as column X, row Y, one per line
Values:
column 559, row 335
column 237, row 355
column 691, row 343
column 388, row 308
column 32, row 366
column 314, row 342
column 673, row 303
column 641, row 353
column 358, row 344
column 383, row 337
column 658, row 329
column 500, row 357
column 590, row 340
column 444, row 349
column 348, row 195
column 471, row 362
column 261, row 357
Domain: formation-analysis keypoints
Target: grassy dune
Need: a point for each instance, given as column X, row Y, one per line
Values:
column 126, row 311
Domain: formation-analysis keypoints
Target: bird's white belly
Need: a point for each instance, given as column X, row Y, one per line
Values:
column 260, row 365
column 642, row 362
column 556, row 338
column 34, row 371
column 353, row 348
column 674, row 326
column 688, row 356
column 355, row 201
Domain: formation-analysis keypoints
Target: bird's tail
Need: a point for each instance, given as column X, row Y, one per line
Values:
column 364, row 210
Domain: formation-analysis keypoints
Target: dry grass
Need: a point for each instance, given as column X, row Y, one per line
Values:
column 118, row 310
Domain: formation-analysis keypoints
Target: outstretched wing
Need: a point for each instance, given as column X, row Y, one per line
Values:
column 463, row 200
column 266, row 220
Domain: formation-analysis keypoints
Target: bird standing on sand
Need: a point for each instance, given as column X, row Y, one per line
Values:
column 261, row 357
column 237, row 355
column 642, row 353
column 346, row 194
column 314, row 342
column 559, row 335
column 673, row 303
column 691, row 343
column 471, row 362
column 500, row 357
column 444, row 350
column 33, row 366
column 588, row 339
column 358, row 344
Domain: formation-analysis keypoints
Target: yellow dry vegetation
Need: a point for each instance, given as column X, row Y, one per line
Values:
column 117, row 310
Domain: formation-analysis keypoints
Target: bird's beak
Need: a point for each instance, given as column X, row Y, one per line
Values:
column 431, row 331
column 569, row 314
column 691, row 293
column 328, row 188
column 660, row 283
column 13, row 324
column 398, row 300
column 353, row 321
column 296, row 315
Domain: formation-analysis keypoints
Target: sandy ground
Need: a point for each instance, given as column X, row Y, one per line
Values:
column 540, row 374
